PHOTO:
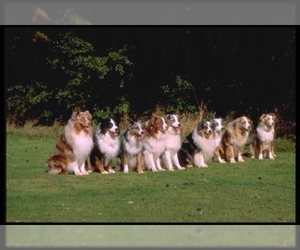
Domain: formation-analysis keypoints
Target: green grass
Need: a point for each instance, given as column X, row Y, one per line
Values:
column 253, row 191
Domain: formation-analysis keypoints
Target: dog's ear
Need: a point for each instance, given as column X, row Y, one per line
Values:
column 237, row 122
column 200, row 125
column 251, row 122
column 262, row 117
column 214, row 123
column 129, row 126
column 75, row 114
column 274, row 116
column 88, row 114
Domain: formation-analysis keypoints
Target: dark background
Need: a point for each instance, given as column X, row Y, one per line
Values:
column 248, row 69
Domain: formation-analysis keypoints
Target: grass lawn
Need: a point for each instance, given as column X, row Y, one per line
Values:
column 249, row 192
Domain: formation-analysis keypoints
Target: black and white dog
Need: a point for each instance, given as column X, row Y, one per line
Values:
column 106, row 146
column 199, row 146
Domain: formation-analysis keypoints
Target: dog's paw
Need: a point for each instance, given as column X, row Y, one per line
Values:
column 222, row 161
column 104, row 172
column 111, row 171
column 78, row 173
column 141, row 172
column 126, row 169
column 232, row 160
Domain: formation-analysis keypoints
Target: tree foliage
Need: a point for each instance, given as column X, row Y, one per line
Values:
column 80, row 79
column 50, row 72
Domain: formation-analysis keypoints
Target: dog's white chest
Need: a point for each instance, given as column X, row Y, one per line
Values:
column 83, row 145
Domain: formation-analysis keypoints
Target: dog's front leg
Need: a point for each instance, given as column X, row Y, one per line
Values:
column 168, row 160
column 230, row 153
column 158, row 166
column 110, row 169
column 82, row 169
column 176, row 161
column 199, row 160
column 139, row 163
column 150, row 161
column 240, row 158
column 100, row 165
column 73, row 168
column 124, row 163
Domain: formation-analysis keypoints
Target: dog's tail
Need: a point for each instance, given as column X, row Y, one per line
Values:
column 56, row 164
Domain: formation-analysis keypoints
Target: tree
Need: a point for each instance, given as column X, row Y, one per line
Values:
column 74, row 78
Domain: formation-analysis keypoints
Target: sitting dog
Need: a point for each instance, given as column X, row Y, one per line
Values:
column 106, row 146
column 130, row 155
column 263, row 139
column 234, row 139
column 154, row 143
column 73, row 147
column 198, row 147
column 173, row 142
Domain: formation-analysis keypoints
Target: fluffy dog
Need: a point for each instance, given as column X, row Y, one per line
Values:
column 234, row 139
column 154, row 143
column 73, row 146
column 173, row 142
column 130, row 155
column 217, row 127
column 106, row 146
column 198, row 147
column 263, row 139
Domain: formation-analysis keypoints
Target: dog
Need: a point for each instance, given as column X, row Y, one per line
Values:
column 235, row 138
column 154, row 143
column 198, row 147
column 218, row 128
column 73, row 147
column 263, row 138
column 173, row 142
column 130, row 155
column 106, row 146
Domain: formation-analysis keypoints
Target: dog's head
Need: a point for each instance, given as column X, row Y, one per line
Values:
column 109, row 126
column 155, row 124
column 204, row 129
column 268, row 120
column 243, row 123
column 173, row 122
column 82, row 120
column 136, row 129
column 217, row 124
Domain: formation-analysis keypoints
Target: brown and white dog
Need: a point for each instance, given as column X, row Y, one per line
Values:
column 198, row 147
column 73, row 147
column 234, row 139
column 173, row 142
column 130, row 155
column 106, row 146
column 263, row 139
column 154, row 143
